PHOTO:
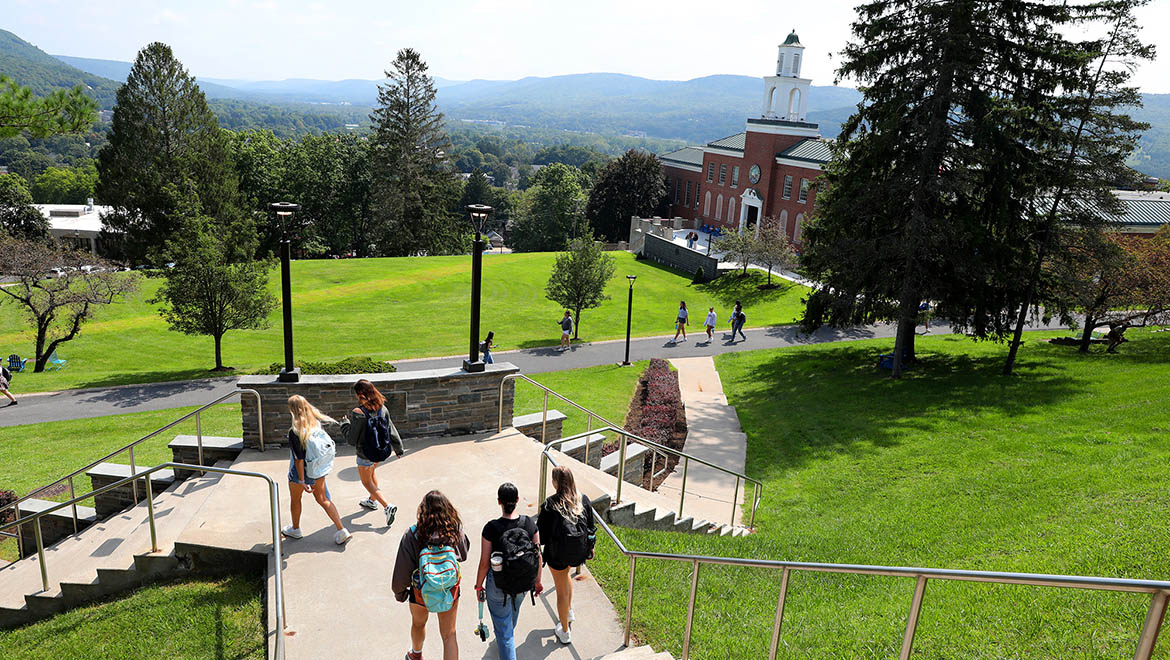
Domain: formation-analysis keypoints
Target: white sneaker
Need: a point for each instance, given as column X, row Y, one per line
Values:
column 564, row 636
column 292, row 532
column 572, row 616
column 390, row 511
column 342, row 536
column 369, row 504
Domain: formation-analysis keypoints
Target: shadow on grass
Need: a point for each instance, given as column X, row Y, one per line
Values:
column 157, row 377
column 735, row 286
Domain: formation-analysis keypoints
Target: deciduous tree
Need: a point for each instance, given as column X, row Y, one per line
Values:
column 579, row 277
column 738, row 248
column 553, row 211
column 631, row 185
column 18, row 216
column 772, row 249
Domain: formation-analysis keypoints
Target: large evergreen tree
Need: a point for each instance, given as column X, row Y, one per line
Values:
column 414, row 187
column 165, row 150
column 631, row 185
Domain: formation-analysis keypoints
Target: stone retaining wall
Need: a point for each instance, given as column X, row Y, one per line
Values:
column 425, row 402
column 680, row 256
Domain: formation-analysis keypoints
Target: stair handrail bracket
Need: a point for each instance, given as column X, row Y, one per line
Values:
column 274, row 512
column 129, row 448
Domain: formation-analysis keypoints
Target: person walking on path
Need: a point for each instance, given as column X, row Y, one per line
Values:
column 711, row 322
column 426, row 572
column 372, row 433
column 5, row 383
column 738, row 318
column 566, row 323
column 568, row 531
column 487, row 346
column 509, row 568
column 311, row 459
column 681, row 322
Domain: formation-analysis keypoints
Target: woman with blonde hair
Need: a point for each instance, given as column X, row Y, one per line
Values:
column 311, row 459
column 567, row 530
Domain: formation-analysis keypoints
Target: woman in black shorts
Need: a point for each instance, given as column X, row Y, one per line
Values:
column 566, row 529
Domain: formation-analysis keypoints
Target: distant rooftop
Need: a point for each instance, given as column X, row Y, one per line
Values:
column 792, row 40
column 733, row 142
column 685, row 156
column 66, row 218
column 1143, row 208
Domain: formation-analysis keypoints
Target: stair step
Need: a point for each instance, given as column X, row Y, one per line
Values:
column 635, row 458
column 576, row 448
column 185, row 449
column 634, row 653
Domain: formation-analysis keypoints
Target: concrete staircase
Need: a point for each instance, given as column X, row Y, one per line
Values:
column 638, row 653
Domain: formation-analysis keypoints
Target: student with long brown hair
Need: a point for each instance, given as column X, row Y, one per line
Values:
column 426, row 572
column 310, row 460
column 567, row 530
column 371, row 431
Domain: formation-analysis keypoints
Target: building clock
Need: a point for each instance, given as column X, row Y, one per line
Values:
column 754, row 174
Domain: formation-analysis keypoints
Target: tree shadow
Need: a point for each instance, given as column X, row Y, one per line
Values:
column 746, row 289
column 154, row 377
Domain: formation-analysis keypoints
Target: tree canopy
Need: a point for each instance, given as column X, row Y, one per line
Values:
column 631, row 185
column 553, row 211
column 579, row 277
column 18, row 216
column 60, row 111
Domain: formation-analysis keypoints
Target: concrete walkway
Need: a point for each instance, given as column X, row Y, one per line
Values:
column 714, row 435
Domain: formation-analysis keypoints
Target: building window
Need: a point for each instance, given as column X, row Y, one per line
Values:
column 719, row 208
column 796, row 231
column 731, row 210
column 735, row 177
column 687, row 198
column 710, row 172
column 788, row 187
column 796, row 65
column 803, row 191
column 722, row 175
column 784, row 222
column 677, row 189
column 697, row 187
column 707, row 204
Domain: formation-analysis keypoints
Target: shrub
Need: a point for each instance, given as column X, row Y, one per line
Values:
column 7, row 497
column 657, row 413
column 699, row 277
column 350, row 365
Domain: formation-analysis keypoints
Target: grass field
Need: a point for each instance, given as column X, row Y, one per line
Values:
column 389, row 309
column 195, row 619
column 1059, row 469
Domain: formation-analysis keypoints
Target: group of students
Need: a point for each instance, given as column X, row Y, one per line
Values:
column 682, row 320
column 513, row 551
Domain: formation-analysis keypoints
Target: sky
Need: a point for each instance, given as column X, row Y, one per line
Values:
column 467, row 39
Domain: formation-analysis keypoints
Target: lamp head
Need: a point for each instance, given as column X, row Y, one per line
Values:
column 479, row 214
column 283, row 211
column 631, row 278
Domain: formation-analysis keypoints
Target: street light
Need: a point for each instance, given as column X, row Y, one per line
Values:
column 629, row 313
column 284, row 211
column 479, row 214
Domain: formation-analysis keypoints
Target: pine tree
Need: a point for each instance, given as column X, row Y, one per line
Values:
column 414, row 187
column 631, row 185
column 60, row 112
column 165, row 150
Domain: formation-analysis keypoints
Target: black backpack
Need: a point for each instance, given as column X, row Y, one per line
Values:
column 577, row 540
column 518, row 574
column 5, row 373
column 376, row 441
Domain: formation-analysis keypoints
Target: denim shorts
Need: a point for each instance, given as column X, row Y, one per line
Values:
column 294, row 479
column 363, row 462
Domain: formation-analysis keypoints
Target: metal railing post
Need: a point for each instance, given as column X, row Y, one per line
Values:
column 630, row 599
column 912, row 622
column 73, row 495
column 259, row 418
column 1152, row 626
column 682, row 497
column 543, row 477
column 150, row 515
column 686, row 652
column 500, row 398
column 133, row 472
column 779, row 620
column 199, row 439
column 277, row 552
column 621, row 471
column 41, row 555
column 755, row 505
column 734, row 501
column 544, row 420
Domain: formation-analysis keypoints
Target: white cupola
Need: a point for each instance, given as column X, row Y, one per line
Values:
column 786, row 93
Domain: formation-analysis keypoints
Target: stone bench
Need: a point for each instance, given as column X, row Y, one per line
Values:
column 122, row 497
column 529, row 425
column 635, row 463
column 185, row 449
column 576, row 449
column 54, row 526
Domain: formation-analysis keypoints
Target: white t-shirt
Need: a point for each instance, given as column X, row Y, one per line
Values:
column 682, row 313
column 711, row 319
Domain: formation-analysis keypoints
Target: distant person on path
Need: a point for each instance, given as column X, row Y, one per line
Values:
column 711, row 322
column 566, row 324
column 5, row 383
column 312, row 452
column 924, row 312
column 371, row 431
column 426, row 572
column 487, row 346
column 568, row 532
column 509, row 568
column 681, row 322
column 738, row 318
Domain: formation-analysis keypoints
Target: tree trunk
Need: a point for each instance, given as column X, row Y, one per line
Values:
column 904, row 335
column 42, row 357
column 218, row 355
column 577, row 323
column 1087, row 335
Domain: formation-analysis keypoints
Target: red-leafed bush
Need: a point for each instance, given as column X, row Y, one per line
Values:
column 657, row 414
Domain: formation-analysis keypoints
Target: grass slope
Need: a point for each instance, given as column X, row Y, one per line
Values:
column 195, row 619
column 605, row 390
column 390, row 309
column 1060, row 469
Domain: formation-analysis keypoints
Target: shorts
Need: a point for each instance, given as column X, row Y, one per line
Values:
column 710, row 328
column 565, row 333
column 362, row 461
column 294, row 479
column 681, row 321
column 415, row 597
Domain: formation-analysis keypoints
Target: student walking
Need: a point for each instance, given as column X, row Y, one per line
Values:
column 567, row 530
column 566, row 323
column 426, row 572
column 710, row 323
column 5, row 383
column 738, row 318
column 509, row 568
column 311, row 459
column 371, row 431
column 487, row 346
column 680, row 323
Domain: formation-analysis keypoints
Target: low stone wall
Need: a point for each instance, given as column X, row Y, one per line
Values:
column 530, row 425
column 425, row 402
column 680, row 256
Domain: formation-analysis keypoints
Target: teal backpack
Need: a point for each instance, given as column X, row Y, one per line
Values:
column 437, row 575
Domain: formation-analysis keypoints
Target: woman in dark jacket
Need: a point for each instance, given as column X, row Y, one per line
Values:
column 561, row 514
column 371, row 403
column 438, row 524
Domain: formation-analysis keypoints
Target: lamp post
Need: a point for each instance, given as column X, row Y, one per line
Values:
column 629, row 314
column 284, row 211
column 479, row 214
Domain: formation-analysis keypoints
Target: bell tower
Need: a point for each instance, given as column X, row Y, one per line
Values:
column 786, row 93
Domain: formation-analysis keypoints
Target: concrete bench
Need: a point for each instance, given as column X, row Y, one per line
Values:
column 185, row 449
column 635, row 463
column 54, row 526
column 576, row 449
column 122, row 497
column 529, row 425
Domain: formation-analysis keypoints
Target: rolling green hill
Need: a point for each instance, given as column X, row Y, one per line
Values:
column 43, row 73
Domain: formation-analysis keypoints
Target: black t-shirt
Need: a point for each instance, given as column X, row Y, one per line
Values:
column 294, row 443
column 494, row 530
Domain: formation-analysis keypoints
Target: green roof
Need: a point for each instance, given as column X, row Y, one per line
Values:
column 813, row 150
column 733, row 142
column 685, row 156
column 792, row 39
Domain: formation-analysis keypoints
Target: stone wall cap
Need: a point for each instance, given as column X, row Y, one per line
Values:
column 500, row 368
column 554, row 415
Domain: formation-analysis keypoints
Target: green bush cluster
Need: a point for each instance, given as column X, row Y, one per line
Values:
column 350, row 365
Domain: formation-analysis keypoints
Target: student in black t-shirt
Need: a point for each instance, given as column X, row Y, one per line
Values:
column 567, row 529
column 505, row 609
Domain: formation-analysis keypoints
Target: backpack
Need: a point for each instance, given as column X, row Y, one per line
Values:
column 5, row 373
column 518, row 574
column 319, row 454
column 376, row 440
column 437, row 575
column 577, row 540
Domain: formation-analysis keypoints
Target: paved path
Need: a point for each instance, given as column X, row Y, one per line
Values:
column 81, row 404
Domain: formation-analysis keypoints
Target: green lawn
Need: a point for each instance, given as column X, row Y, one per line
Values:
column 1059, row 469
column 605, row 390
column 195, row 619
column 389, row 309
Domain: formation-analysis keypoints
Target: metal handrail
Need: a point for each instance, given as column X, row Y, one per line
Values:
column 273, row 501
column 130, row 449
column 1158, row 589
column 758, row 486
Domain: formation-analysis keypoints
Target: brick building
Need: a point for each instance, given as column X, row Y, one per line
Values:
column 765, row 171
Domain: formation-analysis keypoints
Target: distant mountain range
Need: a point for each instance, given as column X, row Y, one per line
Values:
column 698, row 110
